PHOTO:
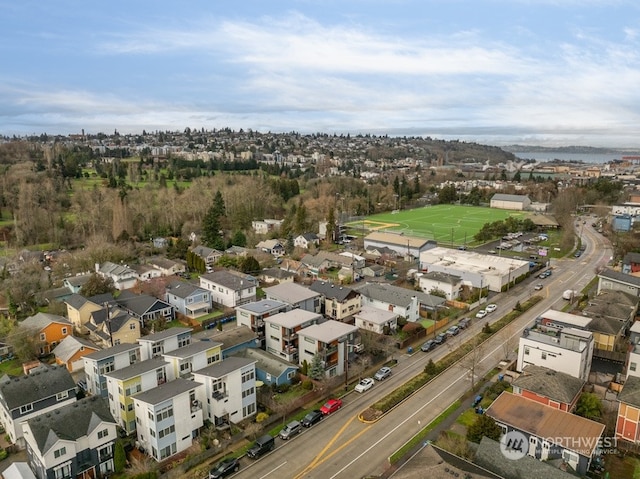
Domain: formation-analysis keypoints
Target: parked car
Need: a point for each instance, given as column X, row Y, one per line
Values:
column 364, row 385
column 290, row 430
column 464, row 323
column 538, row 286
column 491, row 308
column 332, row 405
column 225, row 468
column 453, row 331
column 382, row 373
column 312, row 418
column 262, row 445
column 440, row 338
column 481, row 314
column 428, row 346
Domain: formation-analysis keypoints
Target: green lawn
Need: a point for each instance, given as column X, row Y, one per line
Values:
column 13, row 368
column 443, row 223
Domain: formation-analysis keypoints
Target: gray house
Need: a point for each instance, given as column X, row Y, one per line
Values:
column 188, row 299
column 296, row 296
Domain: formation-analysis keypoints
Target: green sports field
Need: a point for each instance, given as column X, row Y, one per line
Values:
column 443, row 223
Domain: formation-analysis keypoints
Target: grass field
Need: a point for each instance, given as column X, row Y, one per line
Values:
column 443, row 223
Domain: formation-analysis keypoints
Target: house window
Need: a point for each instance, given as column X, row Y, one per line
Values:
column 59, row 452
column 184, row 341
column 157, row 349
column 63, row 472
column 526, row 350
column 544, row 355
column 632, row 366
column 166, row 431
column 26, row 408
column 116, row 342
column 64, row 331
column 43, row 337
column 133, row 357
column 104, row 453
column 164, row 413
column 160, row 376
column 248, row 410
column 168, row 451
column 152, row 432
column 130, row 407
column 217, row 385
column 107, row 367
column 213, row 359
column 291, row 374
column 247, row 392
column 248, row 376
column 185, row 367
column 570, row 457
column 132, row 325
column 62, row 395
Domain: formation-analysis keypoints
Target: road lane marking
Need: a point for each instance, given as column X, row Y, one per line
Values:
column 273, row 470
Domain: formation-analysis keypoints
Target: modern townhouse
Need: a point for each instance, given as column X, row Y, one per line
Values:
column 281, row 332
column 156, row 344
column 29, row 396
column 168, row 417
column 122, row 384
column 332, row 341
column 74, row 441
column 229, row 392
column 97, row 364
column 195, row 356
column 47, row 329
column 295, row 296
column 253, row 314
column 228, row 288
column 339, row 302
column 188, row 299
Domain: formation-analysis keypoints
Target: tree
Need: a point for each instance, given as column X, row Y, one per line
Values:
column 211, row 234
column 472, row 359
column 96, row 285
column 483, row 426
column 249, row 265
column 25, row 343
column 589, row 406
column 239, row 239
column 316, row 368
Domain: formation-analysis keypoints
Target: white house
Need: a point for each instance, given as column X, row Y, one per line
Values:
column 306, row 240
column 197, row 355
column 122, row 276
column 229, row 392
column 168, row 417
column 229, row 289
column 449, row 284
column 156, row 344
column 376, row 320
column 97, row 364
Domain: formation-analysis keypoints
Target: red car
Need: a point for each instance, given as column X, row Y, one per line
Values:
column 332, row 405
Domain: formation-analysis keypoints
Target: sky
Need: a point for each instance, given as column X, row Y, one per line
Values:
column 537, row 72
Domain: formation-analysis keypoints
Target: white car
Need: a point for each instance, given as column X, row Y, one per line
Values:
column 491, row 308
column 481, row 314
column 364, row 384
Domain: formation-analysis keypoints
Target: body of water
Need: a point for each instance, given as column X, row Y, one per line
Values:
column 564, row 156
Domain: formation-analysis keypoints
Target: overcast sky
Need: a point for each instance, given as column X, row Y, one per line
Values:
column 554, row 72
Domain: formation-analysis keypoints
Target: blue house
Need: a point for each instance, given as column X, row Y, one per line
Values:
column 270, row 369
column 622, row 223
column 188, row 299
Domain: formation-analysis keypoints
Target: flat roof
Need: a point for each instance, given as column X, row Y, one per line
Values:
column 166, row 391
column 328, row 331
column 262, row 306
column 194, row 348
column 375, row 315
column 137, row 368
column 568, row 318
column 471, row 261
column 397, row 239
column 293, row 318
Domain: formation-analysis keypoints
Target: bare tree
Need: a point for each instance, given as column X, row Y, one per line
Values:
column 471, row 360
column 509, row 340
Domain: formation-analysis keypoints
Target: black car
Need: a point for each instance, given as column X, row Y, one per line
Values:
column 464, row 323
column 262, row 445
column 225, row 468
column 440, row 338
column 312, row 418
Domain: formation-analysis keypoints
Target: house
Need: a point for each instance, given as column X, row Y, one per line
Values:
column 77, row 441
column 381, row 254
column 549, row 432
column 449, row 284
column 548, row 387
column 18, row 470
column 146, row 272
column 271, row 370
column 631, row 263
column 209, row 255
column 71, row 350
column 228, row 288
column 32, row 395
column 401, row 301
column 376, row 320
column 273, row 247
column 339, row 302
column 123, row 383
column 192, row 357
column 318, row 264
column 373, row 271
column 237, row 251
column 306, row 240
column 188, row 299
column 169, row 418
column 110, row 326
column 156, row 344
column 295, row 296
column 75, row 283
column 628, row 420
column 252, row 315
column 265, row 226
column 564, row 349
column 122, row 276
column 510, row 202
column 403, row 245
column 146, row 308
column 229, row 392
column 273, row 275
column 615, row 280
column 48, row 329
column 234, row 340
column 332, row 341
column 282, row 339
column 97, row 364
column 167, row 267
column 612, row 312
column 79, row 311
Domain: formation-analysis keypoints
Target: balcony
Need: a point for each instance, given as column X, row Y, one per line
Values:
column 196, row 405
column 329, row 351
column 219, row 395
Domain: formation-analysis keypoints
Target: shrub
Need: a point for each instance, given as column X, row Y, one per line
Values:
column 3, row 454
column 261, row 416
column 307, row 385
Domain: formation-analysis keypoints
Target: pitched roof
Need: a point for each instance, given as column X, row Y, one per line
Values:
column 267, row 362
column 33, row 387
column 277, row 273
column 70, row 422
column 333, row 291
column 441, row 277
column 226, row 366
column 506, row 197
column 552, row 384
column 78, row 281
column 631, row 257
column 620, row 277
column 70, row 346
column 397, row 295
column 233, row 281
column 396, row 239
column 375, row 315
column 567, row 430
column 166, row 391
column 40, row 321
column 76, row 301
column 630, row 393
column 140, row 304
column 184, row 289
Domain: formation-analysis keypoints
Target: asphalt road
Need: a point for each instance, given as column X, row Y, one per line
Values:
column 342, row 447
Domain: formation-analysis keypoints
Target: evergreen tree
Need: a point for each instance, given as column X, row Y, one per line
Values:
column 316, row 369
column 483, row 426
